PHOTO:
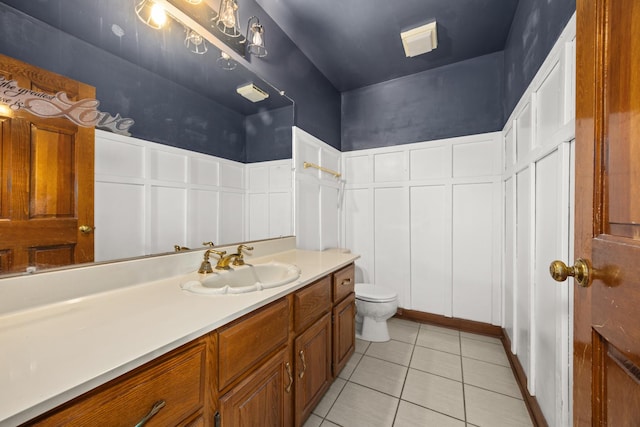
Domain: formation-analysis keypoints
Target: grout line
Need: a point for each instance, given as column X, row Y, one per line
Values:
column 464, row 397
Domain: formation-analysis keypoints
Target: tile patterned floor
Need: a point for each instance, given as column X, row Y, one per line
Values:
column 425, row 376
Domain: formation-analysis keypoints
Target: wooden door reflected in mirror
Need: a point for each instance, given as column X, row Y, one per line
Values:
column 46, row 178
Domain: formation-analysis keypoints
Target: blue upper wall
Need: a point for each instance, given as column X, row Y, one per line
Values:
column 536, row 27
column 458, row 99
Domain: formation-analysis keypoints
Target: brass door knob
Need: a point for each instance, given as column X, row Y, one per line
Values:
column 581, row 271
column 86, row 229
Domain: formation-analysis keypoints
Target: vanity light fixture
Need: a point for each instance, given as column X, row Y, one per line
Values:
column 225, row 62
column 195, row 42
column 255, row 38
column 194, row 1
column 151, row 13
column 227, row 19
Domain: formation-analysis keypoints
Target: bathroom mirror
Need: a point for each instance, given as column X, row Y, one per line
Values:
column 104, row 44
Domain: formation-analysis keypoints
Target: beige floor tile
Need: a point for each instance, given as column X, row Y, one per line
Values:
column 323, row 407
column 359, row 406
column 439, row 341
column 403, row 330
column 348, row 369
column 380, row 375
column 391, row 351
column 486, row 408
column 490, row 376
column 410, row 415
column 479, row 337
column 484, row 351
column 361, row 345
column 437, row 362
column 326, row 423
column 442, row 330
column 313, row 421
column 434, row 392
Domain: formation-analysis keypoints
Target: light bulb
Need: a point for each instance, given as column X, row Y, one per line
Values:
column 228, row 16
column 158, row 16
column 257, row 37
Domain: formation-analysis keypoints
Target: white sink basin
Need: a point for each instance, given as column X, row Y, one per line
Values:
column 246, row 278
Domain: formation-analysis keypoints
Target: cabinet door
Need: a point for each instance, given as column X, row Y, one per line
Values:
column 313, row 367
column 344, row 332
column 261, row 399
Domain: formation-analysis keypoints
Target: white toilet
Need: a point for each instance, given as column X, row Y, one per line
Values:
column 374, row 305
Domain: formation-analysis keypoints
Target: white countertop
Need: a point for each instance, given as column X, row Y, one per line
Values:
column 55, row 352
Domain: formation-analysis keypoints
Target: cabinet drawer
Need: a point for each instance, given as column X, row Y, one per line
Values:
column 245, row 342
column 343, row 282
column 179, row 381
column 311, row 302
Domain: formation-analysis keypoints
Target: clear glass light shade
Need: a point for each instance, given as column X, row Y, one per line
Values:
column 227, row 20
column 194, row 1
column 225, row 62
column 255, row 38
column 195, row 42
column 151, row 13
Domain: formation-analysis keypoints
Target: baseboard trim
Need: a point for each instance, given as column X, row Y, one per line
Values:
column 532, row 403
column 450, row 322
column 484, row 329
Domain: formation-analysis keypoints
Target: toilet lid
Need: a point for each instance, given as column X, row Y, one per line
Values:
column 371, row 293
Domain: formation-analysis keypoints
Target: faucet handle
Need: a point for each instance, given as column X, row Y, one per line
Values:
column 210, row 244
column 179, row 248
column 241, row 247
column 213, row 251
column 239, row 260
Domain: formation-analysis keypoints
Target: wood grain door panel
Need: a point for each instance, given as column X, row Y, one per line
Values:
column 46, row 178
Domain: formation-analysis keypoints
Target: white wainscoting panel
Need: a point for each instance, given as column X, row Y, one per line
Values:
column 537, row 229
column 430, row 245
column 269, row 200
column 392, row 243
column 169, row 217
column 150, row 197
column 119, row 220
column 318, row 194
column 399, row 216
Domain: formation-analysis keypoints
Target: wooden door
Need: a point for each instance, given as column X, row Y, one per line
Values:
column 606, row 327
column 46, row 178
column 263, row 398
column 312, row 367
column 344, row 332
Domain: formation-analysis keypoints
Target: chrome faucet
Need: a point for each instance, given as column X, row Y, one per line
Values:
column 205, row 267
column 237, row 258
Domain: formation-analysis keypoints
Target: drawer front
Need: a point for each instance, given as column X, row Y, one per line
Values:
column 343, row 282
column 178, row 381
column 244, row 343
column 311, row 302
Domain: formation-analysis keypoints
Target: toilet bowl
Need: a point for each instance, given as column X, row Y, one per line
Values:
column 374, row 305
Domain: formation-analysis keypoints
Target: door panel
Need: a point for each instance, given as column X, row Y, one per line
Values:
column 607, row 335
column 46, row 178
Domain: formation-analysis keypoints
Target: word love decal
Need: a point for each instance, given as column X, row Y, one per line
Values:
column 83, row 113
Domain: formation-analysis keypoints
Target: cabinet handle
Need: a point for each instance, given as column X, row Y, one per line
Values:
column 288, row 368
column 346, row 282
column 154, row 410
column 304, row 364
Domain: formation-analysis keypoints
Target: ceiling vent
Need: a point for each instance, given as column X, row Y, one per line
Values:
column 252, row 92
column 420, row 40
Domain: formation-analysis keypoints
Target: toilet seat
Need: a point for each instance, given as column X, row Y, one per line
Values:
column 370, row 293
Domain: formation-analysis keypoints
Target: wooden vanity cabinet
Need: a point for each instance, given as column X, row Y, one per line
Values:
column 177, row 378
column 255, row 374
column 344, row 317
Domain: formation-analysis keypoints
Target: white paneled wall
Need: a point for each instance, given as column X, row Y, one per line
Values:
column 426, row 220
column 150, row 197
column 318, row 194
column 538, row 207
column 269, row 199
